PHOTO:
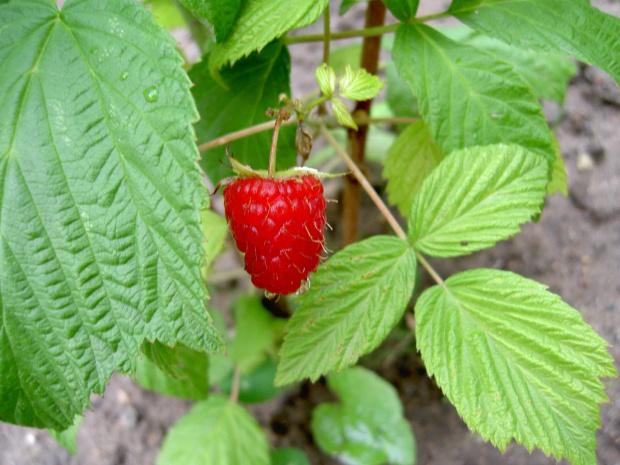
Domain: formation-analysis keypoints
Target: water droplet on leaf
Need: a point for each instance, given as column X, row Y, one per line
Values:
column 124, row 75
column 151, row 94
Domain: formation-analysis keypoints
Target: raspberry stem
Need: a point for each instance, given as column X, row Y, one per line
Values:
column 283, row 114
column 377, row 200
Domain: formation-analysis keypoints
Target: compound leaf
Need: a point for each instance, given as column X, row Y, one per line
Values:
column 476, row 197
column 367, row 427
column 516, row 361
column 570, row 27
column 100, row 239
column 261, row 21
column 215, row 432
column 356, row 298
column 411, row 158
column 467, row 96
column 253, row 85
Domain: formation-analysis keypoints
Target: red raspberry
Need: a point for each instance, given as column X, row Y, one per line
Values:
column 278, row 225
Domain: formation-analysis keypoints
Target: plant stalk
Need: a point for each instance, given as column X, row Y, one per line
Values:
column 234, row 391
column 361, row 179
column 283, row 113
column 371, row 47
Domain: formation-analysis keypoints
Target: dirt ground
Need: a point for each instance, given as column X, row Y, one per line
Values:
column 574, row 249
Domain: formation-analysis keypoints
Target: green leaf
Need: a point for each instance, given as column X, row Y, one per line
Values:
column 342, row 114
column 410, row 160
column 403, row 9
column 188, row 379
column 356, row 298
column 215, row 432
column 100, row 239
column 400, row 98
column 256, row 333
column 569, row 27
column 289, row 456
column 476, row 197
column 254, row 84
column 350, row 55
column 68, row 437
column 326, row 79
column 558, row 182
column 261, row 21
column 221, row 15
column 347, row 4
column 546, row 73
column 367, row 427
column 166, row 13
column 359, row 84
column 215, row 232
column 467, row 96
column 163, row 357
column 516, row 361
column 257, row 386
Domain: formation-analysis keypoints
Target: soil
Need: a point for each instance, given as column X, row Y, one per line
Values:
column 574, row 249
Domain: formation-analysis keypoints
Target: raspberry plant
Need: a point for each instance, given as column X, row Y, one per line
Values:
column 104, row 212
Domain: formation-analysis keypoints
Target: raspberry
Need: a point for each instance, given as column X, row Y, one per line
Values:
column 278, row 224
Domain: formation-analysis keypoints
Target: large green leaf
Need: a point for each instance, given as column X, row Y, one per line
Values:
column 546, row 73
column 254, row 84
column 516, row 361
column 467, row 96
column 403, row 9
column 261, row 21
column 100, row 239
column 367, row 427
column 411, row 158
column 356, row 298
column 571, row 27
column 476, row 197
column 215, row 432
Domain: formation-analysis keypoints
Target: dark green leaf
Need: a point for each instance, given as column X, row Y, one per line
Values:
column 467, row 96
column 256, row 386
column 367, row 427
column 260, row 22
column 163, row 357
column 570, row 27
column 355, row 300
column 254, row 84
column 191, row 374
column 476, row 197
column 516, row 361
column 100, row 239
column 403, row 9
column 347, row 4
column 289, row 456
column 220, row 14
column 399, row 95
column 215, row 432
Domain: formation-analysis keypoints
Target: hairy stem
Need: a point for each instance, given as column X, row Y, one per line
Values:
column 366, row 32
column 387, row 214
column 360, row 121
column 283, row 114
column 371, row 47
column 234, row 391
column 361, row 179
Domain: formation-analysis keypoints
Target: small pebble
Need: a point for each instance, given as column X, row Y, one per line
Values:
column 585, row 162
